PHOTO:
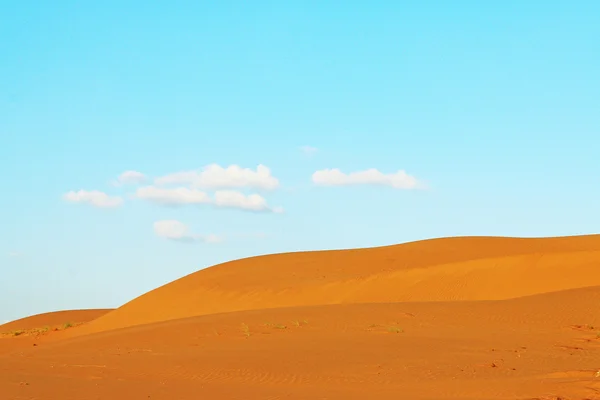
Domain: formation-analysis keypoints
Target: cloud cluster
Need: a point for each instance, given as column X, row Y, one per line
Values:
column 224, row 179
column 225, row 187
column 178, row 231
column 335, row 177
column 211, row 177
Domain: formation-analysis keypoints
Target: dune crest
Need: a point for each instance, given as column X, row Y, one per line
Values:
column 447, row 269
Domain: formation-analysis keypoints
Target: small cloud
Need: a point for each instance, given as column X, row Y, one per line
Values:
column 235, row 199
column 335, row 177
column 94, row 198
column 309, row 150
column 216, row 177
column 130, row 178
column 178, row 231
column 14, row 254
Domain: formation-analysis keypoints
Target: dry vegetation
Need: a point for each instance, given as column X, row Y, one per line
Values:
column 38, row 331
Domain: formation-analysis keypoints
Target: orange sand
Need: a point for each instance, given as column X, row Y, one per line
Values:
column 53, row 319
column 459, row 318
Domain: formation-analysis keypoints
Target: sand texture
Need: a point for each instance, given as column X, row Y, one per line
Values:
column 456, row 318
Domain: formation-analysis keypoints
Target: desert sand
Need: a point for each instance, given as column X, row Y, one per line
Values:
column 455, row 318
column 53, row 319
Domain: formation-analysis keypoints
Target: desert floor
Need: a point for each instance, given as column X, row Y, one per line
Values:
column 459, row 318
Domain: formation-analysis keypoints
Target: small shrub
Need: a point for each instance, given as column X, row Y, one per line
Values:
column 246, row 330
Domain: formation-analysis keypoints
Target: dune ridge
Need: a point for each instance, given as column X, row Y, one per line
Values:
column 446, row 269
column 55, row 318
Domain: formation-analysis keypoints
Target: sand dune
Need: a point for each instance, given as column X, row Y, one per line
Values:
column 53, row 319
column 466, row 268
column 527, row 348
column 457, row 318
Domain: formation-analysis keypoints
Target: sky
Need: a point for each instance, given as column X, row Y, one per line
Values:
column 143, row 141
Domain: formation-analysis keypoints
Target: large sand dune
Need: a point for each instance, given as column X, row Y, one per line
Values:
column 470, row 268
column 460, row 318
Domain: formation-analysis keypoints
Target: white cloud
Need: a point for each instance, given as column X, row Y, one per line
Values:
column 14, row 254
column 215, row 176
column 309, row 150
column 176, row 196
column 131, row 178
column 222, row 198
column 94, row 198
column 171, row 229
column 335, row 177
column 234, row 199
column 178, row 231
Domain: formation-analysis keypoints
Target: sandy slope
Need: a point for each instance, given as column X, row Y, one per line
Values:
column 38, row 328
column 353, row 324
column 527, row 348
column 470, row 268
column 53, row 319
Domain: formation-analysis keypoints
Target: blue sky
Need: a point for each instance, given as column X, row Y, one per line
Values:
column 491, row 109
